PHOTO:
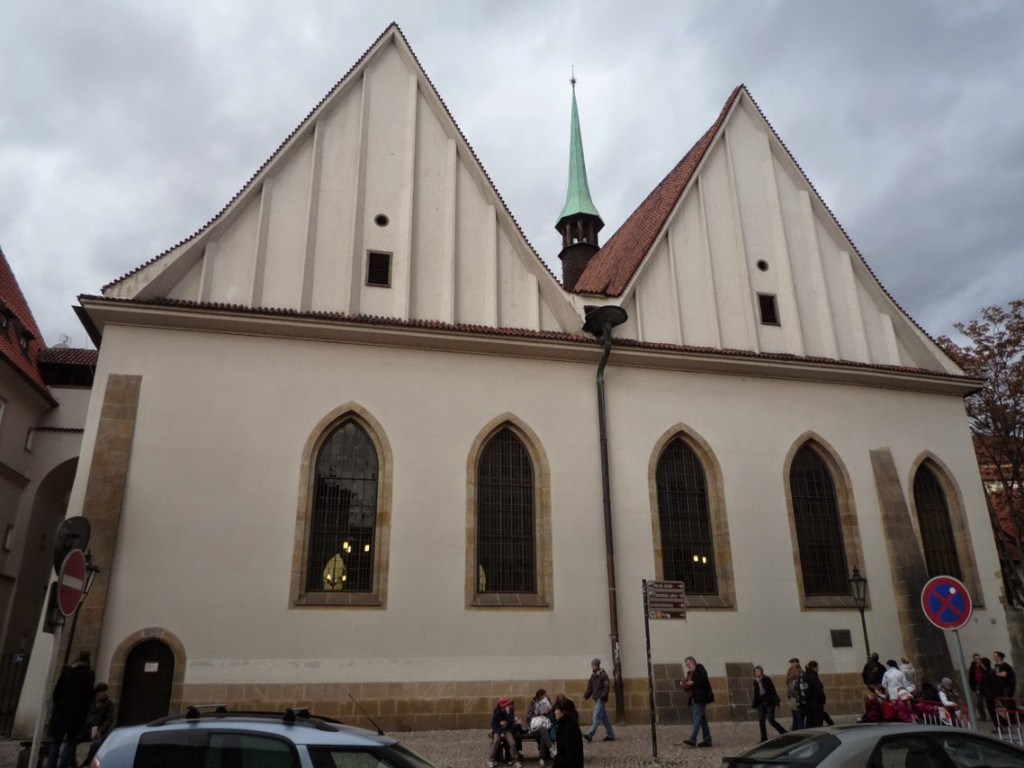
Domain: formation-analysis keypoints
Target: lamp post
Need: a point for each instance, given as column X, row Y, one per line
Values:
column 859, row 590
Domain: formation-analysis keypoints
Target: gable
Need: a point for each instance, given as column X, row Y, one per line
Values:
column 737, row 219
column 378, row 167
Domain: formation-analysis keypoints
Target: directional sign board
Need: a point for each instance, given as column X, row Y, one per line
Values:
column 71, row 582
column 946, row 602
column 665, row 599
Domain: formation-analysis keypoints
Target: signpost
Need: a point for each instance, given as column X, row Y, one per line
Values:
column 947, row 604
column 662, row 600
column 65, row 594
column 71, row 582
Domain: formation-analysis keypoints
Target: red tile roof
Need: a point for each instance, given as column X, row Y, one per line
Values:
column 19, row 317
column 616, row 263
column 68, row 356
column 611, row 269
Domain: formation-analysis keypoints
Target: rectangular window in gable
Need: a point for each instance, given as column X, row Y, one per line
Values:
column 769, row 309
column 378, row 269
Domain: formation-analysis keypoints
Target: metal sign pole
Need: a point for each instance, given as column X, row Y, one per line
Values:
column 650, row 677
column 44, row 704
column 963, row 680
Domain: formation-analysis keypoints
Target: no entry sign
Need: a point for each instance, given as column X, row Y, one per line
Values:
column 71, row 582
column 946, row 602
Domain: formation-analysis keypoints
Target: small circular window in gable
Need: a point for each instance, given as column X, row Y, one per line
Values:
column 762, row 265
column 381, row 220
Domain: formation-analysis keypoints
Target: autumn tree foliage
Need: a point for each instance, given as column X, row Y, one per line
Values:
column 994, row 352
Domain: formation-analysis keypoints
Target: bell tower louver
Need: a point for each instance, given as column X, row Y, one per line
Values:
column 579, row 221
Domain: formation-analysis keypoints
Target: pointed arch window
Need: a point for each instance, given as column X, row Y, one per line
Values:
column 819, row 531
column 933, row 519
column 687, row 546
column 344, row 513
column 506, row 517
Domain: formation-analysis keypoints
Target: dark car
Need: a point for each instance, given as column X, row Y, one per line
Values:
column 881, row 745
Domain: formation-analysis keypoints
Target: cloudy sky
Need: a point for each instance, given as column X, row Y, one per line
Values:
column 125, row 125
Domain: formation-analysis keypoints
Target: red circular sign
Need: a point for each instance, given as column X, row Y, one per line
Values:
column 71, row 582
column 946, row 602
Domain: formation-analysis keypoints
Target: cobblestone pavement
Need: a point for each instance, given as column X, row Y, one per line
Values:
column 632, row 747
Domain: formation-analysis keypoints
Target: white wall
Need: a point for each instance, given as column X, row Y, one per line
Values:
column 208, row 524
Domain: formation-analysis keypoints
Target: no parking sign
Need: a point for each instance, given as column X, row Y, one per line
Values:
column 946, row 602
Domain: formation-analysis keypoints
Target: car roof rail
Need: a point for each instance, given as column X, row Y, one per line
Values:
column 291, row 715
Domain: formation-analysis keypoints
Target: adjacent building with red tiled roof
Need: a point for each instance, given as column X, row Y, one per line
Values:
column 356, row 404
column 44, row 394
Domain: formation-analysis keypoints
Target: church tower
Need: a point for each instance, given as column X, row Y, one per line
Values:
column 579, row 221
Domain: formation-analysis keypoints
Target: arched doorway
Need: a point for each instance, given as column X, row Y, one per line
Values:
column 146, row 687
column 49, row 507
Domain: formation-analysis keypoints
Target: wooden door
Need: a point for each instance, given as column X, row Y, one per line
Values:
column 146, row 688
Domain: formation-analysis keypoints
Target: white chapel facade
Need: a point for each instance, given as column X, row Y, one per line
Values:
column 345, row 440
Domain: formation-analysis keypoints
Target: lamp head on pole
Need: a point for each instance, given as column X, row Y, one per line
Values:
column 91, row 572
column 858, row 588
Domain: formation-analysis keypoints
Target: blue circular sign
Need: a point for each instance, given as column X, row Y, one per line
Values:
column 946, row 602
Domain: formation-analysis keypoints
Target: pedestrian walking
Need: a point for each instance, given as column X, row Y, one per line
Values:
column 815, row 696
column 598, row 688
column 766, row 699
column 72, row 697
column 699, row 688
column 794, row 677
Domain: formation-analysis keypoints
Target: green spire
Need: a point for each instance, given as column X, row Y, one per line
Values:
column 577, row 197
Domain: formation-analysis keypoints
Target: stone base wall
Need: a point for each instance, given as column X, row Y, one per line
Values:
column 467, row 705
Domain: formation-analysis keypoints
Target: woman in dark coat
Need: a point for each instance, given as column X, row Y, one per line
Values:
column 569, row 741
column 766, row 699
column 815, row 696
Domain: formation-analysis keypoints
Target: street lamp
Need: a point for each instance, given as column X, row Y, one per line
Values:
column 859, row 590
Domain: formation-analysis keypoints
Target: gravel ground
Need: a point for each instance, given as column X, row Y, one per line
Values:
column 632, row 747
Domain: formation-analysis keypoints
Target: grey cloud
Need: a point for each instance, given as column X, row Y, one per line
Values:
column 125, row 126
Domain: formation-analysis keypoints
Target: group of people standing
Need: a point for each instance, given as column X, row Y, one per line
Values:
column 894, row 695
column 990, row 681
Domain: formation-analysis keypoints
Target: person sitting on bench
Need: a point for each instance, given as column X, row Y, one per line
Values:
column 503, row 721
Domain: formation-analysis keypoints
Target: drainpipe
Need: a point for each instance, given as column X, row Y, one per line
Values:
column 599, row 322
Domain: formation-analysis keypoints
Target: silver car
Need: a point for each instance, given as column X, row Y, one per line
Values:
column 881, row 745
column 220, row 739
